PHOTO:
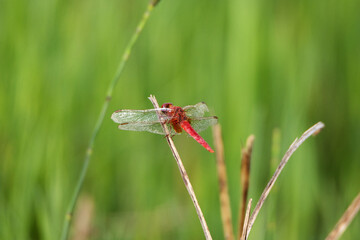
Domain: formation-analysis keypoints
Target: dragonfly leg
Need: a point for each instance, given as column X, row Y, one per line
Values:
column 169, row 135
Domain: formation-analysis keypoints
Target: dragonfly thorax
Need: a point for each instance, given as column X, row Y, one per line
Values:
column 176, row 116
column 179, row 114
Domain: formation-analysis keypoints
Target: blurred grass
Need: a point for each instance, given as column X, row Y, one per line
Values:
column 259, row 65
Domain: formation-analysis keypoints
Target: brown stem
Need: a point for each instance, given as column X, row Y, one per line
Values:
column 244, row 178
column 295, row 145
column 345, row 220
column 246, row 221
column 223, row 186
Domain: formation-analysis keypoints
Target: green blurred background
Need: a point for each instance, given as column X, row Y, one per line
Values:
column 259, row 65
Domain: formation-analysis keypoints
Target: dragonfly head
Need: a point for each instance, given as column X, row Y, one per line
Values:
column 167, row 105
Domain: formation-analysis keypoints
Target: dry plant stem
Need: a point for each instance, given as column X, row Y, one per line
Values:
column 311, row 131
column 182, row 170
column 246, row 221
column 125, row 57
column 83, row 218
column 345, row 220
column 223, row 186
column 245, row 179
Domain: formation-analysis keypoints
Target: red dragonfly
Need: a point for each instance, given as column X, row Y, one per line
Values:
column 190, row 119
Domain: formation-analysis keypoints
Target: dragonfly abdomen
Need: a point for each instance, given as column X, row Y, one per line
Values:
column 187, row 127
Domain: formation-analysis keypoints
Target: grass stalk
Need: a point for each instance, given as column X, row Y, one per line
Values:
column 345, row 220
column 246, row 221
column 245, row 180
column 113, row 83
column 182, row 170
column 225, row 207
column 271, row 226
column 295, row 145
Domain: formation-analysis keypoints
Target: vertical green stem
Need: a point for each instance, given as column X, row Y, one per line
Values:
column 115, row 80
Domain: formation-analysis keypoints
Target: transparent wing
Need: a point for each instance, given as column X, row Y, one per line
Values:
column 202, row 123
column 197, row 110
column 141, row 116
column 153, row 127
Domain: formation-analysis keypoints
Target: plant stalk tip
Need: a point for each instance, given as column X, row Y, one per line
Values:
column 154, row 2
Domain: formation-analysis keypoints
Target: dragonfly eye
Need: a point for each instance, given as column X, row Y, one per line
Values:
column 167, row 105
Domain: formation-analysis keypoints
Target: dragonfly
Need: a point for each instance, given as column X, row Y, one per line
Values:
column 178, row 119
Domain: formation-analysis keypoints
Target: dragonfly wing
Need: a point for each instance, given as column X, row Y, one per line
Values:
column 197, row 110
column 201, row 123
column 132, row 116
column 153, row 127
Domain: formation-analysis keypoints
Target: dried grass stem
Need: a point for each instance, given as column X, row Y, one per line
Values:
column 295, row 145
column 225, row 207
column 345, row 220
column 245, row 179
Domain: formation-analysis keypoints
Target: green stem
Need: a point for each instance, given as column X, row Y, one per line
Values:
column 115, row 80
